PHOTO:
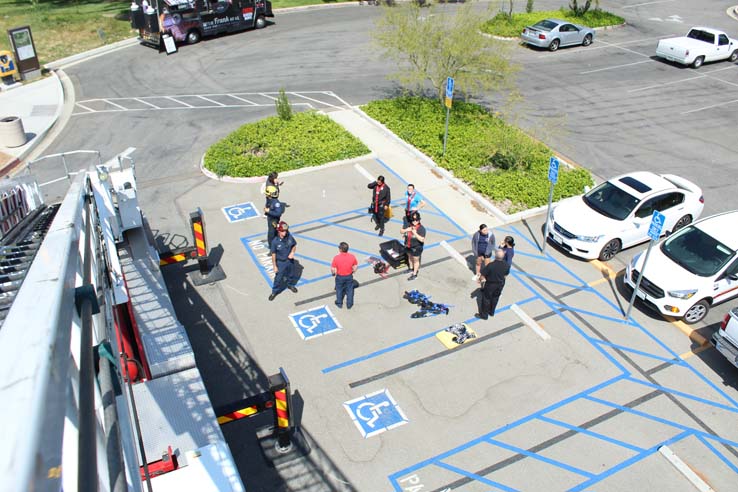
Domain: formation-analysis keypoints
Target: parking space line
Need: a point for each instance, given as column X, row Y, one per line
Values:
column 703, row 440
column 141, row 100
column 598, row 45
column 590, row 433
column 620, row 47
column 616, row 66
column 364, row 172
column 242, row 99
column 315, row 100
column 535, row 456
column 454, row 254
column 653, row 2
column 546, row 279
column 476, row 477
column 530, row 322
column 669, row 360
column 672, row 391
column 658, row 86
column 211, row 101
column 710, row 107
column 685, row 470
column 566, row 307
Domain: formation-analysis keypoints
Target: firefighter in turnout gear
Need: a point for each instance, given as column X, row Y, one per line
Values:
column 273, row 211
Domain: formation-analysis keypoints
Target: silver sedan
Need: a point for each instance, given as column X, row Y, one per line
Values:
column 554, row 33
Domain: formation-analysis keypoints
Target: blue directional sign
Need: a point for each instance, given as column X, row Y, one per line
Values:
column 657, row 225
column 314, row 322
column 450, row 87
column 242, row 211
column 553, row 170
column 375, row 413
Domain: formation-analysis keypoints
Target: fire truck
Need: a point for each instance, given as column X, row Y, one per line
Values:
column 188, row 21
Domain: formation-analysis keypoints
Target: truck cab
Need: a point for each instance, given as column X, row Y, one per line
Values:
column 188, row 21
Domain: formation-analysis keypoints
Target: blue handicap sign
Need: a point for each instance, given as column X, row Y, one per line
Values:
column 375, row 413
column 314, row 322
column 242, row 211
column 553, row 170
column 657, row 225
column 450, row 87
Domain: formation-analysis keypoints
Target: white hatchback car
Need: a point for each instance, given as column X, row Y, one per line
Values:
column 617, row 213
column 690, row 270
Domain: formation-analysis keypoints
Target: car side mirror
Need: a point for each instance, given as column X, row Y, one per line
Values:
column 732, row 276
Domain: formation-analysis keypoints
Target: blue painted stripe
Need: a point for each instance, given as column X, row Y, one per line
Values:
column 392, row 171
column 683, row 394
column 550, row 280
column 592, row 434
column 506, row 427
column 566, row 307
column 314, row 260
column 359, row 212
column 625, row 464
column 717, row 453
column 400, row 345
column 539, row 457
column 531, row 255
column 261, row 269
column 333, row 244
column 676, row 362
column 637, row 412
column 476, row 477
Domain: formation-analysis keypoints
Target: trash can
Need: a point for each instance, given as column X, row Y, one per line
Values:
column 12, row 133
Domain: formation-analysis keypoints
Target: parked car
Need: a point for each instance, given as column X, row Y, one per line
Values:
column 725, row 339
column 691, row 270
column 554, row 33
column 700, row 45
column 617, row 213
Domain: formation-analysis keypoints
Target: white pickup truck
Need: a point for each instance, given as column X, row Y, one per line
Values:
column 726, row 338
column 700, row 45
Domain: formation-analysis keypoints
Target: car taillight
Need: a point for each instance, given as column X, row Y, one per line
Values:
column 702, row 199
column 725, row 322
column 541, row 36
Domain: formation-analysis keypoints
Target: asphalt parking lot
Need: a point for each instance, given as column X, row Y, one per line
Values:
column 583, row 404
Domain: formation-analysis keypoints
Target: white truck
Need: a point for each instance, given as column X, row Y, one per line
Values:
column 700, row 45
column 726, row 338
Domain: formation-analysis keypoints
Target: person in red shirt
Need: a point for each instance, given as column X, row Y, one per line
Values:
column 343, row 267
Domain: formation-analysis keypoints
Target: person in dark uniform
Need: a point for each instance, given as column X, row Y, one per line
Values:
column 381, row 199
column 414, row 241
column 493, row 275
column 273, row 211
column 283, row 260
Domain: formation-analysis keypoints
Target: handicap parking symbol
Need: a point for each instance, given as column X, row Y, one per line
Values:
column 315, row 322
column 242, row 211
column 375, row 413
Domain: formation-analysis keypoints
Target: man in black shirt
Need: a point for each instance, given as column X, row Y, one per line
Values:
column 493, row 275
column 381, row 199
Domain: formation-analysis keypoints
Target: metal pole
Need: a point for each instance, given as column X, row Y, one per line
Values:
column 548, row 217
column 445, row 132
column 638, row 282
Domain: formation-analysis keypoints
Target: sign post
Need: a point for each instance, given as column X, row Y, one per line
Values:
column 553, row 177
column 654, row 232
column 447, row 100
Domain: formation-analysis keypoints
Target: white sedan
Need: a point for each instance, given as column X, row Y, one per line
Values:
column 617, row 213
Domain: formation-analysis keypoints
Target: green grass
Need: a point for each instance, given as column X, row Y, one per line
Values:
column 502, row 25
column 64, row 28
column 498, row 160
column 272, row 144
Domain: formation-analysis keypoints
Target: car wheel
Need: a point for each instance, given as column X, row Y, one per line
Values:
column 684, row 221
column 609, row 250
column 697, row 63
column 193, row 37
column 733, row 56
column 261, row 22
column 554, row 45
column 587, row 40
column 697, row 312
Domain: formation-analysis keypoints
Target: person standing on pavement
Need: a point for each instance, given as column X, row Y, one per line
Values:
column 381, row 199
column 493, row 274
column 483, row 245
column 283, row 261
column 413, row 203
column 508, row 246
column 414, row 241
column 273, row 211
column 343, row 266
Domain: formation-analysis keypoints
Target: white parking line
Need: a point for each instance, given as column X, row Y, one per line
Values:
column 614, row 67
column 178, row 101
column 685, row 470
column 646, row 3
column 122, row 108
column 211, row 101
column 144, row 102
column 657, row 86
column 242, row 99
column 364, row 172
column 598, row 45
column 530, row 322
column 710, row 107
column 625, row 49
column 315, row 100
column 454, row 254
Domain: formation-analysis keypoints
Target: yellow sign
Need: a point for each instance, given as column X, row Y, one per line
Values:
column 448, row 102
column 7, row 65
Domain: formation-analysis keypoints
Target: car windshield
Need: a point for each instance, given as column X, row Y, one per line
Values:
column 697, row 252
column 545, row 25
column 611, row 201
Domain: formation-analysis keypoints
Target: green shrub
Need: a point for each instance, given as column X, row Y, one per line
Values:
column 272, row 144
column 502, row 25
column 495, row 159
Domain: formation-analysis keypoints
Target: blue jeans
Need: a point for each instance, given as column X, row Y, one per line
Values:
column 345, row 287
column 284, row 276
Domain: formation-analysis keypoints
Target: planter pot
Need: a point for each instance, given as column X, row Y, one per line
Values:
column 12, row 133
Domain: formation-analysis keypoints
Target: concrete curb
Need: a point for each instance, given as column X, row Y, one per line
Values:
column 602, row 28
column 456, row 182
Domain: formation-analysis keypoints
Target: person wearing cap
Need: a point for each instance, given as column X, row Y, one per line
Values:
column 283, row 261
column 414, row 241
column 273, row 211
column 413, row 203
column 381, row 199
column 343, row 267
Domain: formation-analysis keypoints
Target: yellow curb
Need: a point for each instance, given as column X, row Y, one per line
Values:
column 690, row 332
column 696, row 351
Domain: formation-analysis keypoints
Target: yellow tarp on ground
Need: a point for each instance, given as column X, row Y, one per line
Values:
column 447, row 337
